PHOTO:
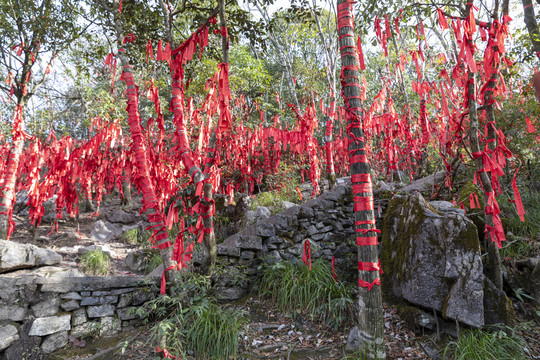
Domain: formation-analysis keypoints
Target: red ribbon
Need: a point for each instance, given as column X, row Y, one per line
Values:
column 369, row 285
column 306, row 257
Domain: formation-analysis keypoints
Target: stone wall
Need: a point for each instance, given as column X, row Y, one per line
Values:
column 327, row 221
column 39, row 315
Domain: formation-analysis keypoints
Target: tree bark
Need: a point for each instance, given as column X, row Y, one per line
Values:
column 532, row 25
column 9, row 179
column 149, row 199
column 370, row 316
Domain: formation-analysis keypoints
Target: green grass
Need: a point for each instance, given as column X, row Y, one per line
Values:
column 193, row 323
column 529, row 229
column 293, row 288
column 95, row 262
column 520, row 248
column 213, row 331
column 269, row 200
column 486, row 345
column 131, row 236
column 153, row 260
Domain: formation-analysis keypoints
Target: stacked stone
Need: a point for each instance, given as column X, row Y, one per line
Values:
column 40, row 314
column 327, row 221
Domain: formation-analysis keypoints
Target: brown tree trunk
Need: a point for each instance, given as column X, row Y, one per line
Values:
column 370, row 316
column 127, row 200
column 532, row 25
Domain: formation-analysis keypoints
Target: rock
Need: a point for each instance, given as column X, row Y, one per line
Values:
column 19, row 256
column 104, row 231
column 272, row 257
column 262, row 213
column 50, row 325
column 265, row 230
column 425, row 185
column 21, row 202
column 125, row 300
column 54, row 342
column 78, row 317
column 224, row 250
column 49, row 209
column 104, row 248
column 288, row 205
column 306, row 212
column 141, row 296
column 138, row 260
column 71, row 296
column 100, row 311
column 249, row 242
column 70, row 305
column 127, row 313
column 273, row 242
column 109, row 326
column 498, row 308
column 251, row 217
column 230, row 293
column 8, row 334
column 56, row 272
column 46, row 308
column 312, row 230
column 13, row 313
column 446, row 206
column 247, row 255
column 432, row 259
column 86, row 330
column 122, row 217
column 99, row 300
column 352, row 340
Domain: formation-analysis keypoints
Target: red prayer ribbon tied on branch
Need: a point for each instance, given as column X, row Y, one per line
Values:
column 334, row 269
column 306, row 257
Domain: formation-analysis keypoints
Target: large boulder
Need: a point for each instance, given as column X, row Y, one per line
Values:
column 15, row 256
column 431, row 258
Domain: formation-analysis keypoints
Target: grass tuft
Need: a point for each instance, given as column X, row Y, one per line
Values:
column 131, row 236
column 193, row 323
column 294, row 286
column 486, row 345
column 95, row 262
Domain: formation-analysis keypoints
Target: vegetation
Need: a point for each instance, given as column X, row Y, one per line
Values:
column 502, row 344
column 295, row 289
column 95, row 262
column 194, row 323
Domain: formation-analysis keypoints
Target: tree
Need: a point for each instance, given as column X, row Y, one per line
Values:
column 139, row 148
column 370, row 317
column 31, row 33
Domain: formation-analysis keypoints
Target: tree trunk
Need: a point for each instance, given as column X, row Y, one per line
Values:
column 127, row 200
column 207, row 203
column 149, row 199
column 495, row 269
column 532, row 25
column 9, row 179
column 370, row 317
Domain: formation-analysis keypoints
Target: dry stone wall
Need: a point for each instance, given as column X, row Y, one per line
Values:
column 326, row 221
column 39, row 315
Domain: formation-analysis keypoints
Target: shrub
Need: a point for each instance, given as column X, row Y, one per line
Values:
column 95, row 262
